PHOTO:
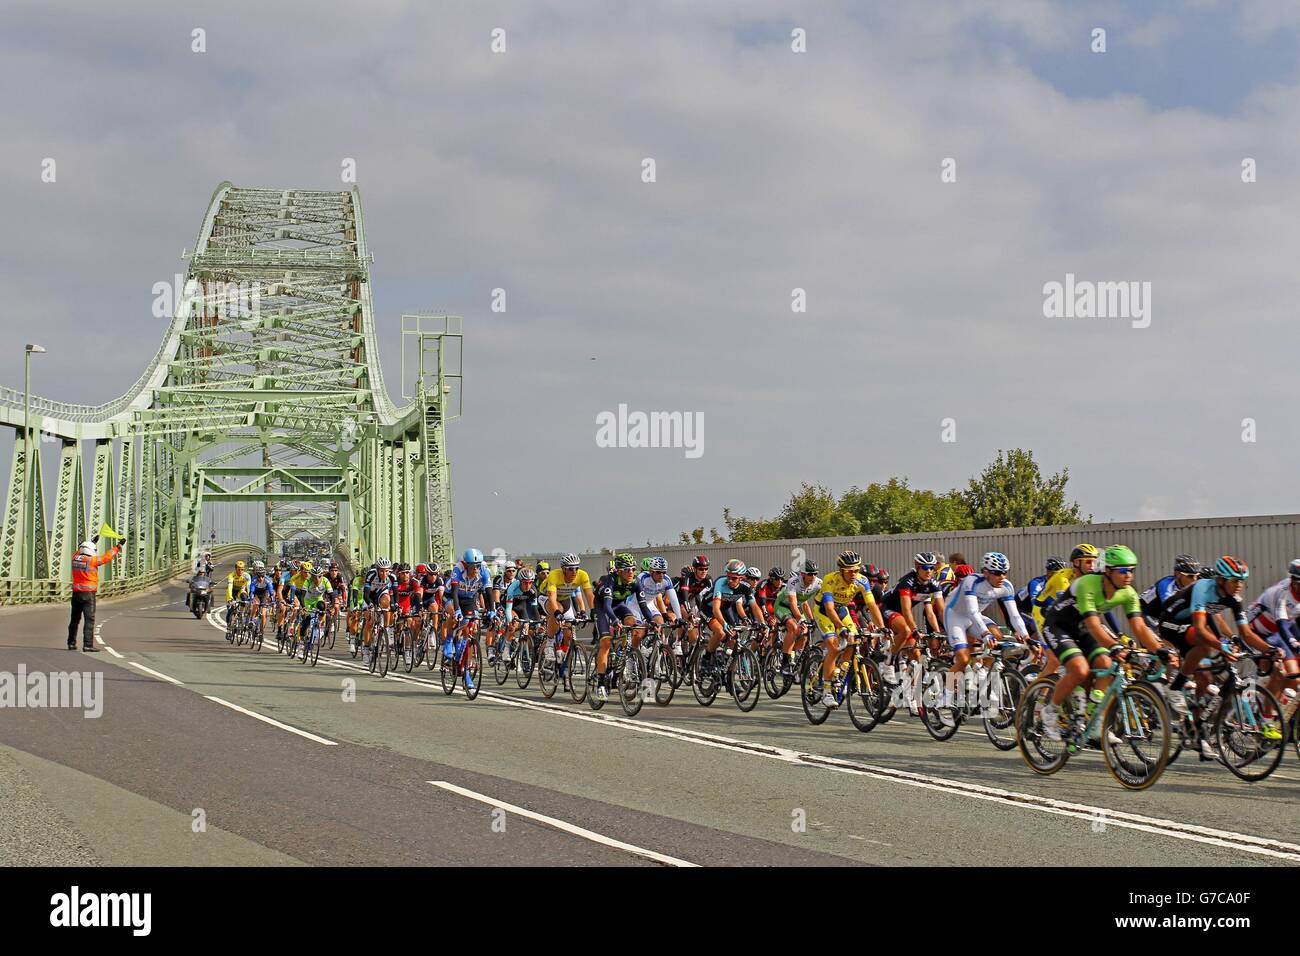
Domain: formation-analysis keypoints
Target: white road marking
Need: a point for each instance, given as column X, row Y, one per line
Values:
column 1025, row 801
column 148, row 670
column 113, row 652
column 273, row 722
column 561, row 825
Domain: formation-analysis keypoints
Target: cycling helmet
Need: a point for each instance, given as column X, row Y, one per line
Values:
column 383, row 564
column 645, row 564
column 777, row 573
column 259, row 566
column 871, row 572
column 569, row 560
column 1293, row 568
column 527, row 574
column 627, row 555
column 1207, row 571
column 735, row 566
column 1230, row 567
column 472, row 556
column 1055, row 564
column 963, row 571
column 1084, row 550
column 543, row 566
column 996, row 562
column 239, row 565
column 849, row 559
column 925, row 557
column 809, row 567
column 1120, row 556
column 421, row 569
column 510, row 566
column 1186, row 564
column 611, row 564
column 701, row 561
column 624, row 563
column 659, row 564
column 433, row 567
column 753, row 574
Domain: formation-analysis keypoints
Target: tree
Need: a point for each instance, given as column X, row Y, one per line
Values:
column 1012, row 493
column 746, row 529
column 895, row 508
column 813, row 512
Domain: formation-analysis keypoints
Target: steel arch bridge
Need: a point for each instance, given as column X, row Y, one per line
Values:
column 267, row 388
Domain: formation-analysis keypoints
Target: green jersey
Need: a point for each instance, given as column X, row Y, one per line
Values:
column 1087, row 597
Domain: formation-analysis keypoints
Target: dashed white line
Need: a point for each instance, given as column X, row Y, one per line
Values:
column 586, row 834
column 154, row 673
column 272, row 721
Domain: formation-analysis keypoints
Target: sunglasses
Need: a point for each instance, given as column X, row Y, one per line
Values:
column 996, row 574
column 925, row 567
column 1123, row 570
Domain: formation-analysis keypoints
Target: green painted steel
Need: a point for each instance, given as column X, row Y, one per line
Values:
column 267, row 388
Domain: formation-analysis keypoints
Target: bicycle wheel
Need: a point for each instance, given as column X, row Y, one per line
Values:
column 472, row 677
column 745, row 679
column 305, row 642
column 524, row 663
column 447, row 675
column 333, row 622
column 597, row 680
column 1000, row 707
column 384, row 650
column 631, row 677
column 812, row 687
column 941, row 722
column 317, row 640
column 577, row 671
column 775, row 683
column 866, row 687
column 1250, row 734
column 433, row 647
column 500, row 666
column 663, row 671
column 354, row 642
column 1041, row 753
column 704, row 680
column 1135, row 736
column 548, row 671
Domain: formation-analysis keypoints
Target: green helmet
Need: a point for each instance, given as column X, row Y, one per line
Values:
column 627, row 556
column 624, row 562
column 1120, row 556
column 645, row 564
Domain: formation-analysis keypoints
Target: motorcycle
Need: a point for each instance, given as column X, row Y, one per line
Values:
column 200, row 597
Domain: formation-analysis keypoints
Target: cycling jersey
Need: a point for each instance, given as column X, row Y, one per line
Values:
column 697, row 590
column 802, row 595
column 616, row 594
column 1202, row 597
column 564, row 592
column 465, row 582
column 262, row 588
column 730, row 596
column 650, row 589
column 842, row 592
column 1085, row 598
column 236, row 585
column 1276, row 604
column 1025, row 596
column 1058, row 583
column 517, row 594
column 300, row 580
column 910, row 585
column 315, row 593
column 1154, row 598
column 964, row 613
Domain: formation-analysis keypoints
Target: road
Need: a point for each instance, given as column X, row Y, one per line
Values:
column 207, row 754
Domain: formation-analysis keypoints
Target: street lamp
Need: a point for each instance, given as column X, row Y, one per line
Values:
column 29, row 566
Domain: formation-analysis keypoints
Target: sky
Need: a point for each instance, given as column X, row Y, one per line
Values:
column 775, row 170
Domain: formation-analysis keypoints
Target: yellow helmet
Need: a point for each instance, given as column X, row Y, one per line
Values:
column 306, row 566
column 239, row 565
column 1084, row 550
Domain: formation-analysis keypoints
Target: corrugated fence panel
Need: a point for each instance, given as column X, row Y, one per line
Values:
column 1266, row 542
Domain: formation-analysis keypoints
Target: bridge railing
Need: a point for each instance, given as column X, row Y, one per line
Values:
column 14, row 591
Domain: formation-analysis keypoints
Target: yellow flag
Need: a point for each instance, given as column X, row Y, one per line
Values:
column 106, row 532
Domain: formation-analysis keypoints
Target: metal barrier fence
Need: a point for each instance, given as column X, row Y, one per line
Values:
column 1266, row 542
column 15, row 591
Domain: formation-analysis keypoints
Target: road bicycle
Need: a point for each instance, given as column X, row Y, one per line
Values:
column 562, row 661
column 464, row 663
column 855, row 681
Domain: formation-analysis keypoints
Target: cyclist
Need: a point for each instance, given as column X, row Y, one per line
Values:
column 468, row 582
column 408, row 594
column 380, row 581
column 1079, row 637
column 567, row 586
column 432, row 590
column 1272, row 618
column 521, row 602
column 696, row 594
column 237, row 582
column 1082, row 560
column 964, row 620
column 918, row 587
column 617, row 601
column 338, row 585
column 316, row 595
column 769, row 589
column 261, row 591
column 838, row 590
column 660, row 597
column 724, row 606
column 356, row 604
column 799, row 596
column 1026, row 595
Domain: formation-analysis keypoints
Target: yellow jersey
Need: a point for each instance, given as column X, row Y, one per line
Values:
column 236, row 584
column 841, row 591
column 1058, row 582
column 555, row 582
column 300, row 580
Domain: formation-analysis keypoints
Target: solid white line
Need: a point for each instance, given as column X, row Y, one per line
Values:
column 1163, row 827
column 113, row 652
column 561, row 825
column 272, row 721
column 147, row 670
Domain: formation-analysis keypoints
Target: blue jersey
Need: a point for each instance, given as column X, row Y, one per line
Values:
column 740, row 594
column 1025, row 596
column 461, row 582
column 1203, row 597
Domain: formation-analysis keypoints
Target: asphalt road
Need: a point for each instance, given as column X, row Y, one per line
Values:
column 207, row 754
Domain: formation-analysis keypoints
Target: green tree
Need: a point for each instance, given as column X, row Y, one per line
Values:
column 1012, row 493
column 895, row 508
column 813, row 512
column 746, row 529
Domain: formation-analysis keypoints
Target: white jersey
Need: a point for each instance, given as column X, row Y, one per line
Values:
column 651, row 589
column 966, row 604
column 1277, row 603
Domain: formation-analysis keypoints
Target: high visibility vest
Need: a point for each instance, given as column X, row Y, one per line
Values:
column 85, row 569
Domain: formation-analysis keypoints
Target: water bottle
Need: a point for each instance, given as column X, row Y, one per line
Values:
column 1078, row 700
column 1289, row 702
column 1095, row 697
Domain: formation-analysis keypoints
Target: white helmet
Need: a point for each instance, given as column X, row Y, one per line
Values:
column 86, row 547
